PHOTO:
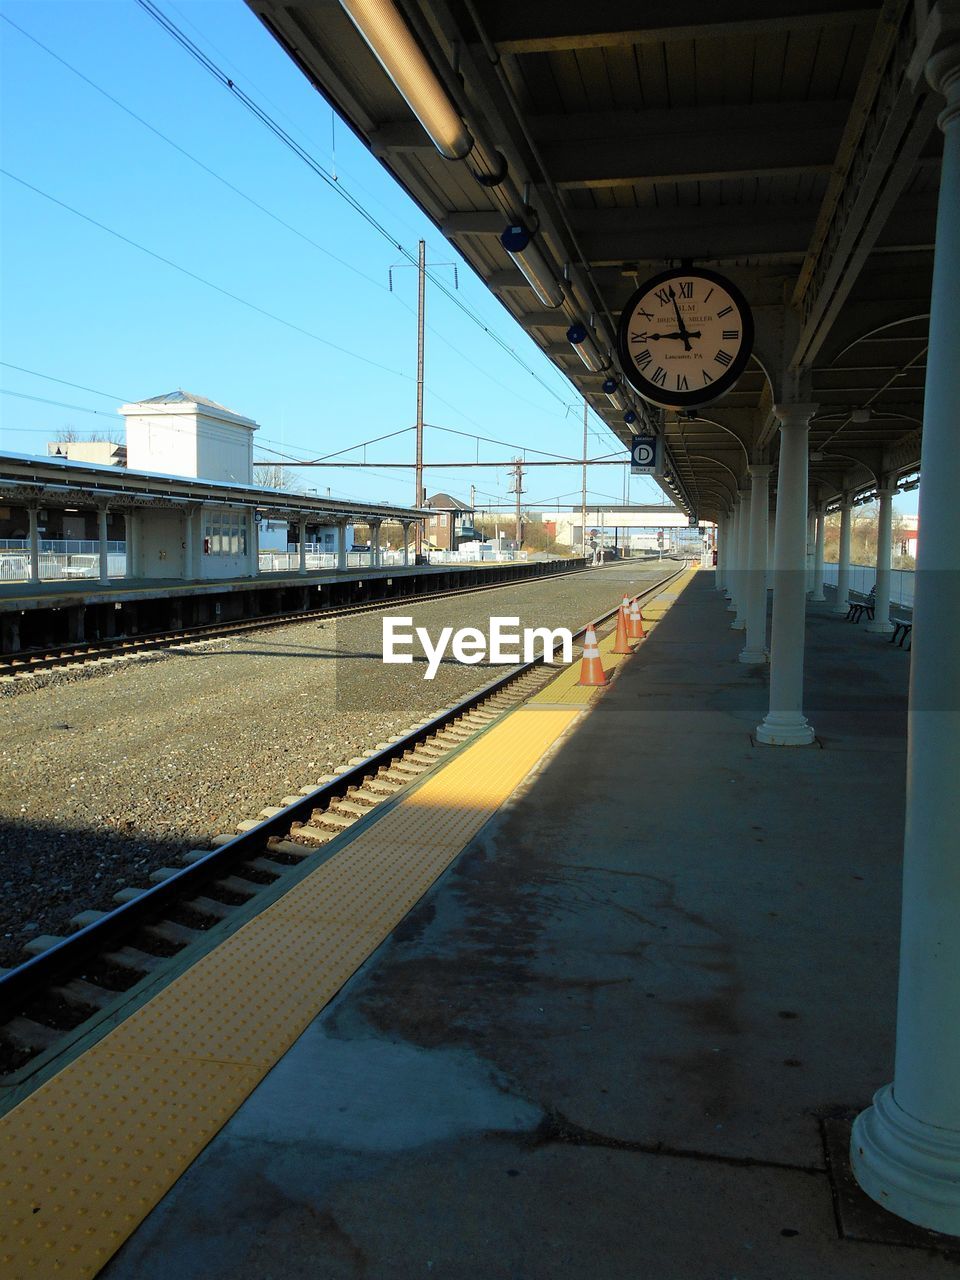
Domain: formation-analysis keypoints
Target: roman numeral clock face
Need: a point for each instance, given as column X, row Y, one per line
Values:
column 684, row 338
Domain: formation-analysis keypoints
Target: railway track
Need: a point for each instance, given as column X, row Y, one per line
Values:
column 71, row 986
column 31, row 662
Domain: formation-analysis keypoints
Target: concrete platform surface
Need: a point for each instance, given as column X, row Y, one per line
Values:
column 603, row 1044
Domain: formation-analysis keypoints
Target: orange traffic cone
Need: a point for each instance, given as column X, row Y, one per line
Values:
column 591, row 668
column 635, row 622
column 622, row 643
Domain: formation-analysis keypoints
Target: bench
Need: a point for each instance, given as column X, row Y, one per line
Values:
column 901, row 631
column 860, row 607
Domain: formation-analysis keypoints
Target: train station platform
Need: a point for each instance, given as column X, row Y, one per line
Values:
column 612, row 1037
column 620, row 1033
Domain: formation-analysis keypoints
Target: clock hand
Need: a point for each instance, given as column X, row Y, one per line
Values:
column 682, row 327
column 656, row 337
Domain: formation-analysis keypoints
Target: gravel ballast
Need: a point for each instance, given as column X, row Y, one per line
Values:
column 107, row 778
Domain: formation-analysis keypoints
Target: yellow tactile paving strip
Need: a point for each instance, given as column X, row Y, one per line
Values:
column 87, row 1156
column 567, row 692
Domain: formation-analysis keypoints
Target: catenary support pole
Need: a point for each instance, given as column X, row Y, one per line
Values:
column 842, row 602
column 755, row 649
column 784, row 724
column 905, row 1149
column 881, row 623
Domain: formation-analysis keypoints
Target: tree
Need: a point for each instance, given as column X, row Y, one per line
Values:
column 270, row 475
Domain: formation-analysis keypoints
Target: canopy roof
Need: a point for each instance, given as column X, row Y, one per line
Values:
column 790, row 144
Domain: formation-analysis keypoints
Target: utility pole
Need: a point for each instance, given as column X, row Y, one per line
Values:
column 421, row 300
column 583, row 486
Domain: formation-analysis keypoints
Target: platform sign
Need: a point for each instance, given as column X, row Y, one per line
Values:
column 646, row 456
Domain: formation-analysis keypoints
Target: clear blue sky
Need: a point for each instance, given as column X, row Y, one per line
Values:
column 82, row 306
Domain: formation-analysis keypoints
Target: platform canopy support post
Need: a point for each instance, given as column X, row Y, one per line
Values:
column 742, row 586
column 342, row 546
column 881, row 623
column 104, row 545
column 732, row 566
column 905, row 1148
column 818, row 550
column 406, row 543
column 721, row 551
column 34, row 535
column 842, row 602
column 754, row 650
column 302, row 545
column 785, row 724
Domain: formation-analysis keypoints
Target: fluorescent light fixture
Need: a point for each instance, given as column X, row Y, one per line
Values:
column 394, row 47
column 518, row 241
column 586, row 348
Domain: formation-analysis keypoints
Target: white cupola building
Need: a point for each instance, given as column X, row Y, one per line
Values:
column 179, row 434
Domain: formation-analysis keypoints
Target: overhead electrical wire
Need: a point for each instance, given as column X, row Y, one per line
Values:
column 235, row 297
column 251, row 105
column 281, row 221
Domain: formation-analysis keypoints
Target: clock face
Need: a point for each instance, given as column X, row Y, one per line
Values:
column 684, row 338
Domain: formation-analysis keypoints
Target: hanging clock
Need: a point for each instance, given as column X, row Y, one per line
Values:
column 685, row 337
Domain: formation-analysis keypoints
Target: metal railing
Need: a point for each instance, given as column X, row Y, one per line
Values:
column 60, row 566
column 863, row 577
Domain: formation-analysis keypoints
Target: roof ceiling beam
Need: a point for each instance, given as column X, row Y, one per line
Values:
column 606, row 23
column 890, row 124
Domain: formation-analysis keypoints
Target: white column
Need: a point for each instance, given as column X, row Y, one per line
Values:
column 771, row 546
column 730, row 576
column 34, row 535
column 721, row 551
column 104, row 552
column 302, row 545
column 254, row 546
column 189, row 539
column 810, row 547
column 755, row 648
column 132, row 534
column 341, row 547
column 842, row 602
column 819, row 543
column 375, row 544
column 881, row 623
column 785, row 724
column 906, row 1147
column 406, row 539
column 741, row 588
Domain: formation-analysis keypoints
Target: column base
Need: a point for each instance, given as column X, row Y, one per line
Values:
column 815, row 599
column 880, row 628
column 840, row 608
column 753, row 657
column 784, row 729
column 910, row 1168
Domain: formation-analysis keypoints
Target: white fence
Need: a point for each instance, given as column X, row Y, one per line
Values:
column 61, row 566
column 863, row 577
